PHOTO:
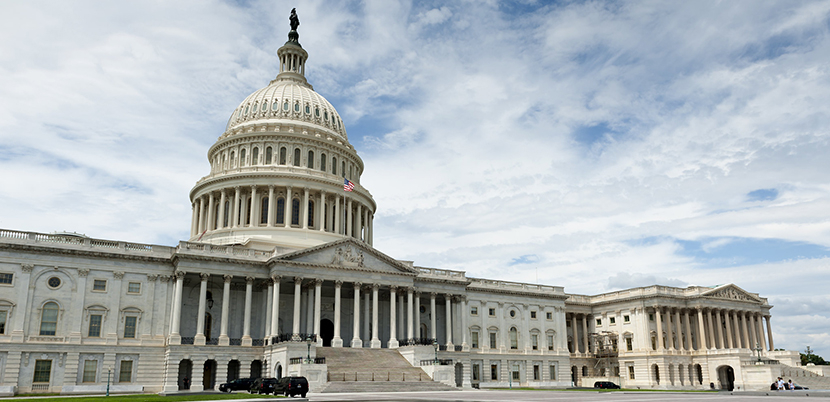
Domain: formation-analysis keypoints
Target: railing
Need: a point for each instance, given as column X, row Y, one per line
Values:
column 442, row 273
column 212, row 341
column 80, row 240
column 379, row 376
column 187, row 340
column 257, row 342
column 293, row 338
column 442, row 347
column 40, row 387
column 433, row 362
column 515, row 286
column 417, row 341
column 235, row 342
column 303, row 360
column 225, row 250
column 762, row 361
column 458, row 348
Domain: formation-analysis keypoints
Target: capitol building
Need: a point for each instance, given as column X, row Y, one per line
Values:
column 280, row 277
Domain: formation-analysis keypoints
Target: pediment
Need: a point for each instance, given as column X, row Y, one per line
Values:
column 731, row 292
column 348, row 254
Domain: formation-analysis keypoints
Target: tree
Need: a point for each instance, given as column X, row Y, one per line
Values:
column 809, row 357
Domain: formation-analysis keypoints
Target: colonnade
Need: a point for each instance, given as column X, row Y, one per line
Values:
column 259, row 206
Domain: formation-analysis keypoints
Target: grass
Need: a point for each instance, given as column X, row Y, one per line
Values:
column 137, row 398
column 602, row 389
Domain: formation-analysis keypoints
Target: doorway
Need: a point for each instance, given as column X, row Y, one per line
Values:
column 209, row 375
column 726, row 376
column 326, row 331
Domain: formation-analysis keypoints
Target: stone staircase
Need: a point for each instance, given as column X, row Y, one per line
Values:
column 374, row 370
column 804, row 377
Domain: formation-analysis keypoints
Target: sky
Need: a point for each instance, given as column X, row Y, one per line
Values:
column 595, row 145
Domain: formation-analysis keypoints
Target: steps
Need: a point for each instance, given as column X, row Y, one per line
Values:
column 805, row 378
column 374, row 370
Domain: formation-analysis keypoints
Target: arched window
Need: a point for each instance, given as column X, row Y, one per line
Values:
column 281, row 211
column 514, row 338
column 343, row 168
column 295, row 211
column 242, row 157
column 255, row 156
column 323, row 162
column 296, row 156
column 227, row 214
column 232, row 160
column 216, row 216
column 310, row 213
column 282, row 155
column 275, row 105
column 269, row 153
column 224, row 161
column 584, row 371
column 334, row 165
column 310, row 160
column 263, row 216
column 49, row 319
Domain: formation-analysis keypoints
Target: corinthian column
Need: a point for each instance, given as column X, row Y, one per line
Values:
column 375, row 340
column 200, row 319
column 226, row 303
column 246, row 327
column 393, row 321
column 356, row 341
column 337, row 341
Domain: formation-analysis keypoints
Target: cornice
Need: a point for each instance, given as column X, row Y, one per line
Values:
column 302, row 264
column 518, row 292
column 52, row 250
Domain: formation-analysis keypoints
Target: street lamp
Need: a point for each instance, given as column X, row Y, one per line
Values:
column 109, row 371
column 758, row 349
column 308, row 354
column 435, row 346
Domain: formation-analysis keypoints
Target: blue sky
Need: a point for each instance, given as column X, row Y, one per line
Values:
column 596, row 145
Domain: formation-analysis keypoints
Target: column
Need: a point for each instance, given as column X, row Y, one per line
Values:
column 246, row 327
column 202, row 217
column 678, row 329
column 688, row 337
column 226, row 303
column 200, row 318
column 348, row 217
column 719, row 329
column 372, row 231
column 393, row 320
column 211, row 220
column 759, row 328
column 502, row 329
column 712, row 343
column 736, row 329
column 358, row 224
column 254, row 210
column 235, row 216
column 375, row 340
column 269, row 308
column 275, row 300
column 337, row 213
column 321, row 218
column 356, row 341
column 659, row 316
column 337, row 341
column 366, row 224
column 295, row 328
column 289, row 208
column 575, row 336
column 318, row 286
column 304, row 208
column 585, row 319
column 727, row 321
column 417, row 316
column 769, row 332
column 701, row 335
column 409, row 319
column 745, row 331
column 177, row 308
column 463, row 306
column 432, row 324
column 271, row 204
column 367, row 314
column 309, row 309
column 194, row 219
column 448, row 305
column 221, row 223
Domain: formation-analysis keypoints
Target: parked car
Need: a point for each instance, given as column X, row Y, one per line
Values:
column 606, row 385
column 239, row 384
column 292, row 386
column 263, row 386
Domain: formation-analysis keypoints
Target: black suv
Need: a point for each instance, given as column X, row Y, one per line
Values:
column 263, row 386
column 239, row 384
column 606, row 385
column 291, row 386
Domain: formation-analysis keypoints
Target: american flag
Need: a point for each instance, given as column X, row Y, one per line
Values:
column 347, row 185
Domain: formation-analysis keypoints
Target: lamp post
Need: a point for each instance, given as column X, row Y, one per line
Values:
column 758, row 349
column 308, row 353
column 109, row 371
column 435, row 346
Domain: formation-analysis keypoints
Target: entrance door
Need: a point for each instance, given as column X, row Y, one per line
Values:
column 326, row 331
column 209, row 375
column 726, row 376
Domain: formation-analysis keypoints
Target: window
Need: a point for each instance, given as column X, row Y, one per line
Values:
column 515, row 374
column 323, row 162
column 514, row 338
column 125, row 374
column 54, row 282
column 492, row 312
column 296, row 107
column 493, row 340
column 263, row 211
column 653, row 342
column 536, row 372
column 612, row 320
column 626, row 319
column 6, row 279
column 233, row 159
column 43, row 370
column 548, row 316
column 552, row 372
column 3, row 316
column 512, row 313
column 255, row 156
column 343, row 169
column 534, row 341
column 599, row 322
column 99, row 285
column 629, row 344
column 614, row 344
column 49, row 320
column 630, row 372
column 282, row 156
column 242, row 158
column 533, row 315
column 95, row 325
column 494, row 372
column 281, row 211
column 550, row 342
column 296, row 156
column 275, row 105
column 295, row 211
column 310, row 213
column 333, row 165
column 650, row 316
column 90, row 370
column 269, row 155
column 476, row 372
column 310, row 160
column 473, row 310
column 285, row 106
column 129, row 326
column 475, row 339
column 134, row 287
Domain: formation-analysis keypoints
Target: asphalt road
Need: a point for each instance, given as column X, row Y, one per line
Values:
column 586, row 396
